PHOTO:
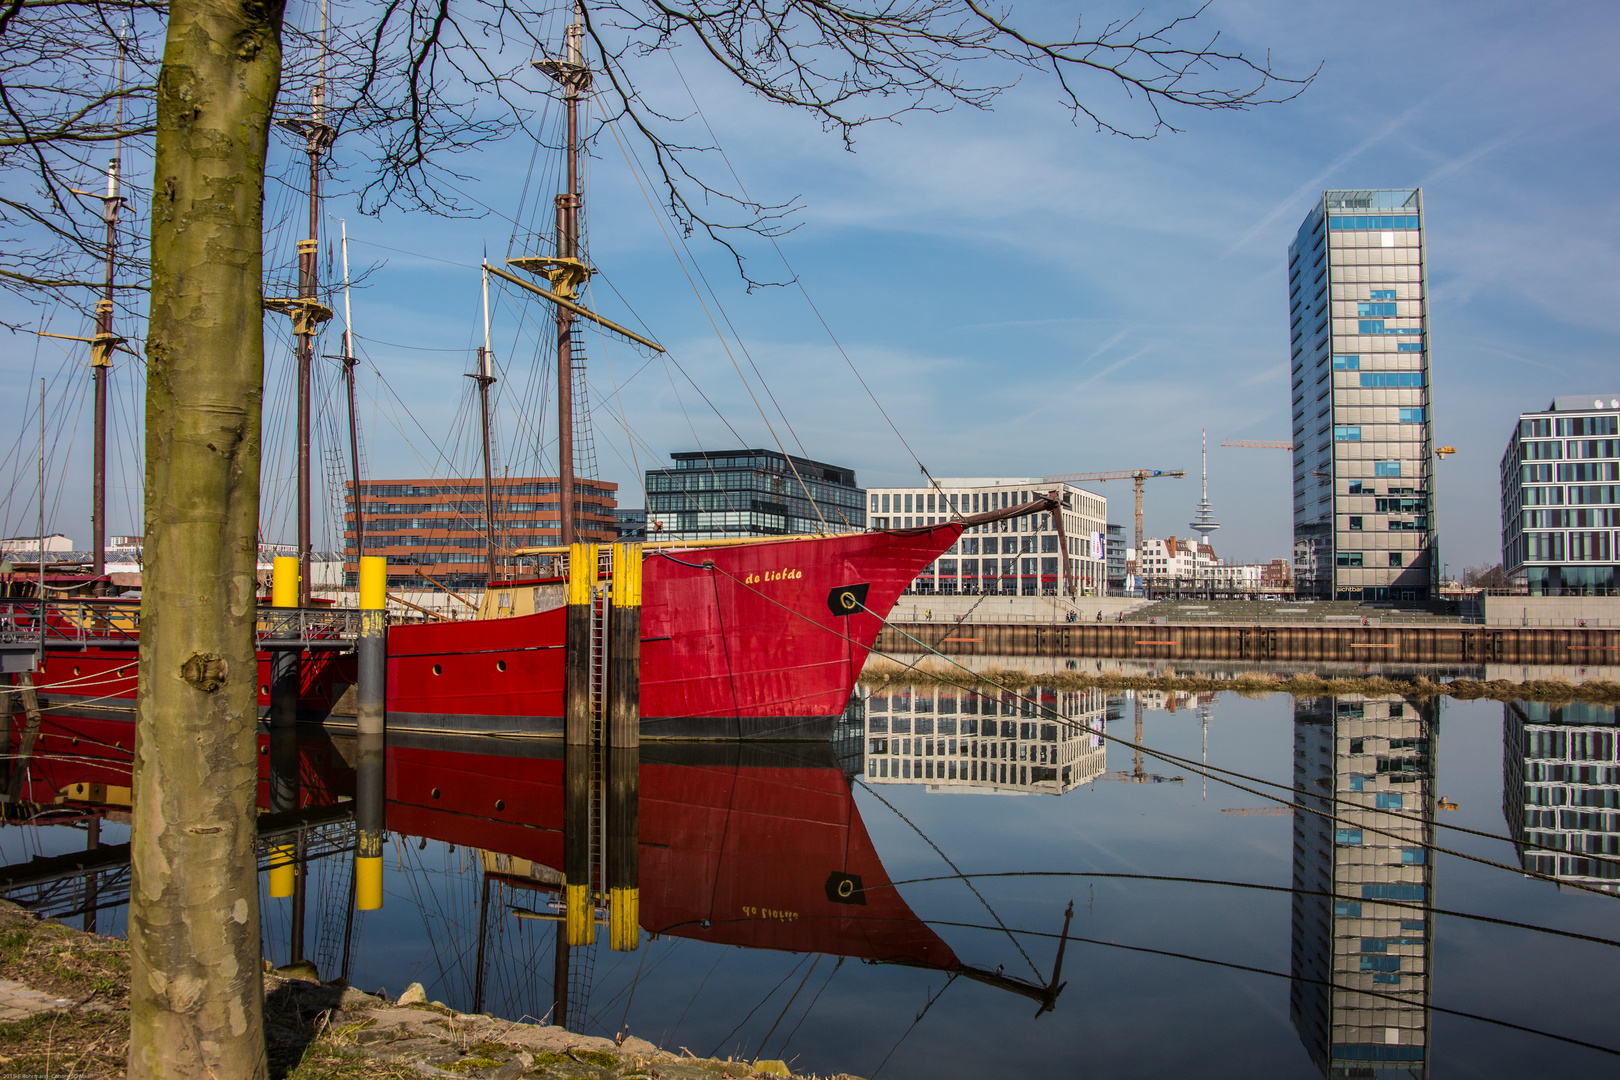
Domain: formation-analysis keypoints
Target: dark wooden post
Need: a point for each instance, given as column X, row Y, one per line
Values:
column 371, row 703
column 624, row 751
column 581, row 909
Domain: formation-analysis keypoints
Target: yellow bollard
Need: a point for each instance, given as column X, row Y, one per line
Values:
column 283, row 870
column 284, row 587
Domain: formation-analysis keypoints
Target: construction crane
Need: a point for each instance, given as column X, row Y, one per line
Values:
column 1441, row 451
column 1136, row 475
column 1258, row 444
column 1136, row 775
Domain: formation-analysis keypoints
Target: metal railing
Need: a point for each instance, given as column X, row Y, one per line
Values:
column 80, row 624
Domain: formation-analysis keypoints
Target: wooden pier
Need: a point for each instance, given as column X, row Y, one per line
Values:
column 1408, row 644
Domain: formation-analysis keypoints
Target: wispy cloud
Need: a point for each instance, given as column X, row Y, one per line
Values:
column 1298, row 199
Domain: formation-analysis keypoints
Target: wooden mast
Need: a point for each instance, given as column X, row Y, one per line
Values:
column 102, row 346
column 484, row 378
column 306, row 309
column 350, row 361
column 567, row 270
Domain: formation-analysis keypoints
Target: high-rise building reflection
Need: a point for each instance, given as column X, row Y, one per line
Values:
column 1363, row 876
column 1561, row 789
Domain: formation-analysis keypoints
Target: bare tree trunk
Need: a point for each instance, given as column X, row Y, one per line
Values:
column 196, row 993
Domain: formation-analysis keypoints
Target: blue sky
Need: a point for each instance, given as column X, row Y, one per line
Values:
column 1026, row 297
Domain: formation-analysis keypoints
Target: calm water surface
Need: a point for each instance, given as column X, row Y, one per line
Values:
column 783, row 915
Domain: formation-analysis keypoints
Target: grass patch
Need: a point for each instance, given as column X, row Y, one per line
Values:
column 66, row 1044
column 324, row 1061
column 470, row 1064
column 61, row 961
column 488, row 1048
column 599, row 1058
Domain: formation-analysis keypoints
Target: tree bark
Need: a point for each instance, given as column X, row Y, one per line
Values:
column 196, row 993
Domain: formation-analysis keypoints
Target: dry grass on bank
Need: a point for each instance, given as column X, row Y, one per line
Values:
column 881, row 674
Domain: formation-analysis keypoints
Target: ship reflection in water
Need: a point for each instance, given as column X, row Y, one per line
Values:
column 820, row 902
column 753, row 845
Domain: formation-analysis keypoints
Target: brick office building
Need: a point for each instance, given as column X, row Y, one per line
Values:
column 437, row 527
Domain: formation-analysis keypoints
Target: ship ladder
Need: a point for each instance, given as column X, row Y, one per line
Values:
column 582, row 970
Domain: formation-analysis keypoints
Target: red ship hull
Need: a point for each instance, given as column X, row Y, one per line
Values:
column 738, row 642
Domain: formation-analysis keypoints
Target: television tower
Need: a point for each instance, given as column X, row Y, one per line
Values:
column 1204, row 523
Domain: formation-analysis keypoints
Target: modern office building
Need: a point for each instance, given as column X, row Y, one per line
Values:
column 1115, row 548
column 632, row 524
column 1026, row 559
column 1561, row 788
column 438, row 527
column 1561, row 498
column 1364, row 499
column 1035, row 741
column 1363, row 877
column 716, row 495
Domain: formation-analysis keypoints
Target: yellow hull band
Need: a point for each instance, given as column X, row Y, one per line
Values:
column 624, row 920
column 581, row 922
column 581, row 572
column 626, row 589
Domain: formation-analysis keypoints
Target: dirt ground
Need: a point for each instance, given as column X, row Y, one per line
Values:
column 313, row 1030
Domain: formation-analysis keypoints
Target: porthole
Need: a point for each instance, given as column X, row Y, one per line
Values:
column 75, row 671
column 500, row 804
column 263, row 690
column 437, row 670
column 263, row 750
column 434, row 793
column 500, row 665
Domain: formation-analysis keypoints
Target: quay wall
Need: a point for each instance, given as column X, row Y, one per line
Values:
column 1537, row 611
column 1410, row 644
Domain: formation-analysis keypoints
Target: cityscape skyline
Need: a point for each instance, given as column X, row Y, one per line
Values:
column 1136, row 294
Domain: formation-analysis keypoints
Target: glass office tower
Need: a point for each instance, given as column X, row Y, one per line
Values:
column 719, row 495
column 1364, row 521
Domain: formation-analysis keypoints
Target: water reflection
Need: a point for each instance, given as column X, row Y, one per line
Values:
column 1561, row 790
column 1036, row 740
column 1362, row 875
column 755, row 864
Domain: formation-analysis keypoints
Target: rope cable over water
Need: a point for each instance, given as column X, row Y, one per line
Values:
column 963, row 877
column 724, row 343
column 797, row 280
